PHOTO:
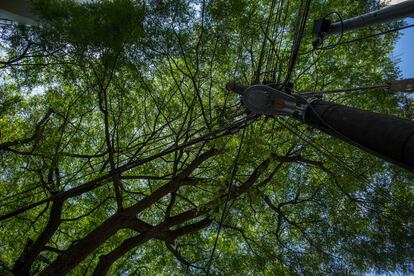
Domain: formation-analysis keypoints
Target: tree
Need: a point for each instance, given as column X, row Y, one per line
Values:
column 122, row 152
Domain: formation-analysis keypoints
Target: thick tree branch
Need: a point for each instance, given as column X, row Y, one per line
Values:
column 99, row 181
column 32, row 250
column 82, row 248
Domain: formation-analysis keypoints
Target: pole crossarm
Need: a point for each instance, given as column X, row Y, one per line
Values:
column 324, row 27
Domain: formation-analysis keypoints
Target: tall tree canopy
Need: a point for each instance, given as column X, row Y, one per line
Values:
column 122, row 152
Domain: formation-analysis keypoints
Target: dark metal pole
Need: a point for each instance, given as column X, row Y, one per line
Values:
column 388, row 137
column 406, row 85
column 18, row 10
column 387, row 14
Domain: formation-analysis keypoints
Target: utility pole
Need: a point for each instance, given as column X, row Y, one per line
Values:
column 323, row 27
column 406, row 85
column 385, row 136
column 388, row 137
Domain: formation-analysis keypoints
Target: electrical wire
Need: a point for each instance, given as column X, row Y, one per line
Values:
column 315, row 61
column 256, row 78
column 223, row 214
column 297, row 42
column 328, row 47
column 321, row 40
column 374, row 35
column 71, row 179
column 342, row 90
column 319, row 148
column 338, row 161
column 272, row 54
column 339, row 43
column 278, row 50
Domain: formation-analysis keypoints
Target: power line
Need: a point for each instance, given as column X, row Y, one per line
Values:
column 223, row 215
column 338, row 161
column 314, row 63
column 278, row 50
column 256, row 78
column 297, row 42
column 272, row 51
column 341, row 90
column 319, row 148
column 370, row 36
column 341, row 33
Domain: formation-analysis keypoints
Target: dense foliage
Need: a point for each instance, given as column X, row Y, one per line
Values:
column 107, row 162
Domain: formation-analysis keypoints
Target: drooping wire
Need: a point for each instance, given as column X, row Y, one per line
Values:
column 341, row 35
column 313, row 64
column 339, row 43
column 342, row 90
column 223, row 214
column 343, row 136
column 376, row 34
column 339, row 162
column 319, row 148
column 331, row 46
